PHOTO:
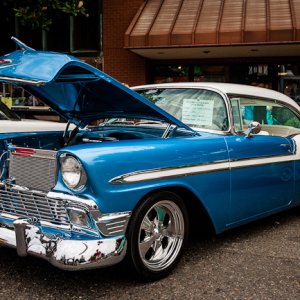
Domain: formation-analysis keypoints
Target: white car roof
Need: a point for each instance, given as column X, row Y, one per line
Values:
column 8, row 126
column 227, row 88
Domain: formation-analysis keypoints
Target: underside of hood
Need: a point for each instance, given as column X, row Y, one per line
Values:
column 74, row 89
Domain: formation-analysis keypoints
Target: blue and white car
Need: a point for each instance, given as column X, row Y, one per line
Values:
column 135, row 176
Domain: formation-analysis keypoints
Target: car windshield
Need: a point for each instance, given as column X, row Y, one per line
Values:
column 198, row 108
column 6, row 113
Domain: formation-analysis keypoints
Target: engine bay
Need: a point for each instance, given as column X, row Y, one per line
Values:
column 57, row 140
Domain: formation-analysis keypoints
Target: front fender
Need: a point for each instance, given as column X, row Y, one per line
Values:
column 194, row 164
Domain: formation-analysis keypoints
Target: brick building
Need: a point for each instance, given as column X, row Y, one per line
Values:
column 119, row 62
column 146, row 41
column 203, row 40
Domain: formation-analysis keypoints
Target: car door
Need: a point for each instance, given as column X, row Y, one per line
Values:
column 262, row 166
column 262, row 175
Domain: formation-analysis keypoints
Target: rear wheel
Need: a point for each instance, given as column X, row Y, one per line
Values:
column 156, row 235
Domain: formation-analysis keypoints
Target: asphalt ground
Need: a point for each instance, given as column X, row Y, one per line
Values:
column 257, row 261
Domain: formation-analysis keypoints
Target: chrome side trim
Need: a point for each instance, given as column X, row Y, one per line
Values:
column 266, row 160
column 164, row 173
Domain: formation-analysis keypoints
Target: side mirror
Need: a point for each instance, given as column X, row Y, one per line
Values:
column 253, row 128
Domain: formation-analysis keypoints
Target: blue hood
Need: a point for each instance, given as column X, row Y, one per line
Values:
column 75, row 89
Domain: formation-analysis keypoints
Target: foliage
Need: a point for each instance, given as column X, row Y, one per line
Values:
column 39, row 14
column 293, row 122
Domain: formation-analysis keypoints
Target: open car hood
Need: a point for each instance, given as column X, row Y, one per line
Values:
column 74, row 89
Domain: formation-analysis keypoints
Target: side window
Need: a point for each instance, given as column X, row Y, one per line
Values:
column 283, row 116
column 275, row 118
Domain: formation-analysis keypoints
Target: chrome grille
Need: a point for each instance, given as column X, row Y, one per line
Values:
column 34, row 170
column 33, row 204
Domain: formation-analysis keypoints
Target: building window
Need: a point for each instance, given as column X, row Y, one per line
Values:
column 188, row 72
column 212, row 73
column 289, row 80
column 77, row 35
column 80, row 35
column 171, row 73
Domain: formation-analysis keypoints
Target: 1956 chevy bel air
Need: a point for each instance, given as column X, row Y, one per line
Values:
column 141, row 166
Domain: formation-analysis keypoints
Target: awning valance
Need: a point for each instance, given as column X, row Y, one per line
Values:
column 171, row 23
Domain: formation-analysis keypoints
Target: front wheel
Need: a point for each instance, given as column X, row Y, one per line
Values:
column 157, row 233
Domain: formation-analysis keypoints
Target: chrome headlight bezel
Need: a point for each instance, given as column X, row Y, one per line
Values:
column 72, row 172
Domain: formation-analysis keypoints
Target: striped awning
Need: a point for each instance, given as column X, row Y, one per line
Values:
column 171, row 23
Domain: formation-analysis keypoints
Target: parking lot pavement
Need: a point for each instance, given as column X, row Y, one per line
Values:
column 257, row 261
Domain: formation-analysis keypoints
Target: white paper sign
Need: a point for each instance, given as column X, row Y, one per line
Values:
column 197, row 111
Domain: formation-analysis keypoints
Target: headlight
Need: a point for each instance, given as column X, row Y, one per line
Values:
column 72, row 172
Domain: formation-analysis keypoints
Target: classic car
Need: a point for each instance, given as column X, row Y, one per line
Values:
column 11, row 122
column 142, row 167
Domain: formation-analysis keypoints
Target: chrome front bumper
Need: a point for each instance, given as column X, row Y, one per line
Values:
column 27, row 236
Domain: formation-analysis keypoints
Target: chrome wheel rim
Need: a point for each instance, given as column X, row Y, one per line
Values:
column 161, row 235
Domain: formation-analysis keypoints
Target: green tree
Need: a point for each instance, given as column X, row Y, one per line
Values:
column 39, row 14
